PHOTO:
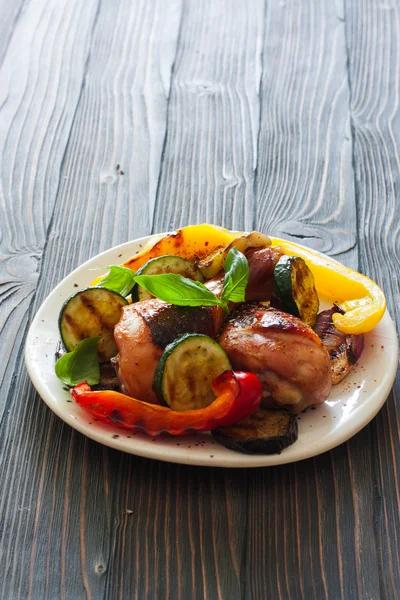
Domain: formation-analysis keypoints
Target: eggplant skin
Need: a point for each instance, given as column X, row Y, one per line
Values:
column 108, row 378
column 267, row 431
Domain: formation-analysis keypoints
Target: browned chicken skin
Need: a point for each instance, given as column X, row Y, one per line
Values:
column 138, row 355
column 284, row 352
column 147, row 327
column 143, row 331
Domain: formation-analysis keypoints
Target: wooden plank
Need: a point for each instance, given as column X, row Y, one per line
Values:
column 184, row 537
column 208, row 175
column 130, row 556
column 10, row 12
column 301, row 517
column 37, row 106
column 213, row 118
column 374, row 82
column 301, row 531
column 199, row 514
column 305, row 187
column 57, row 511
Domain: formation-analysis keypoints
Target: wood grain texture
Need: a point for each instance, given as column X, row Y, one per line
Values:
column 117, row 118
column 305, row 192
column 213, row 118
column 374, row 81
column 37, row 106
column 10, row 13
column 304, row 183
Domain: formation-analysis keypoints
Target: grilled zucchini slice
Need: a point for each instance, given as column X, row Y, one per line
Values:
column 186, row 370
column 165, row 264
column 267, row 431
column 295, row 289
column 90, row 313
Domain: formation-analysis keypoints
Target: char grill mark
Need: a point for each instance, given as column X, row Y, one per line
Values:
column 344, row 350
column 167, row 322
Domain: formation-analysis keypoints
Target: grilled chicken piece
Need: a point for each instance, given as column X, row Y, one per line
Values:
column 344, row 350
column 147, row 327
column 284, row 352
column 142, row 333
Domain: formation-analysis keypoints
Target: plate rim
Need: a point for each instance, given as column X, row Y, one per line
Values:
column 375, row 400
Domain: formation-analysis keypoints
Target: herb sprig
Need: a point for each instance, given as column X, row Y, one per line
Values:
column 181, row 291
column 119, row 279
column 82, row 363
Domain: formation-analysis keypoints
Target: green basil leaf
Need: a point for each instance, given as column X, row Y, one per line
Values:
column 119, row 279
column 178, row 290
column 82, row 364
column 236, row 276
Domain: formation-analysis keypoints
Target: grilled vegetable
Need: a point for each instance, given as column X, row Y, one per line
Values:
column 161, row 266
column 213, row 263
column 267, row 431
column 294, row 287
column 237, row 395
column 186, row 370
column 90, row 313
column 108, row 378
column 194, row 241
column 361, row 299
column 344, row 350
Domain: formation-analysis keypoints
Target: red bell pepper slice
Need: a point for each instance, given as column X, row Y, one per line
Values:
column 238, row 396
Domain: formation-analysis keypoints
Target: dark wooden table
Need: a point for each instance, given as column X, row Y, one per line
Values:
column 277, row 115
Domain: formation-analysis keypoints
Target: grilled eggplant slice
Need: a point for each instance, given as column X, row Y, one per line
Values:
column 108, row 378
column 267, row 431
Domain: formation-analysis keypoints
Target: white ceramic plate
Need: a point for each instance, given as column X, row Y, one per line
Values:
column 350, row 406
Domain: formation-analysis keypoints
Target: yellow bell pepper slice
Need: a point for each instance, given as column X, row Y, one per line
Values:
column 193, row 241
column 361, row 298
